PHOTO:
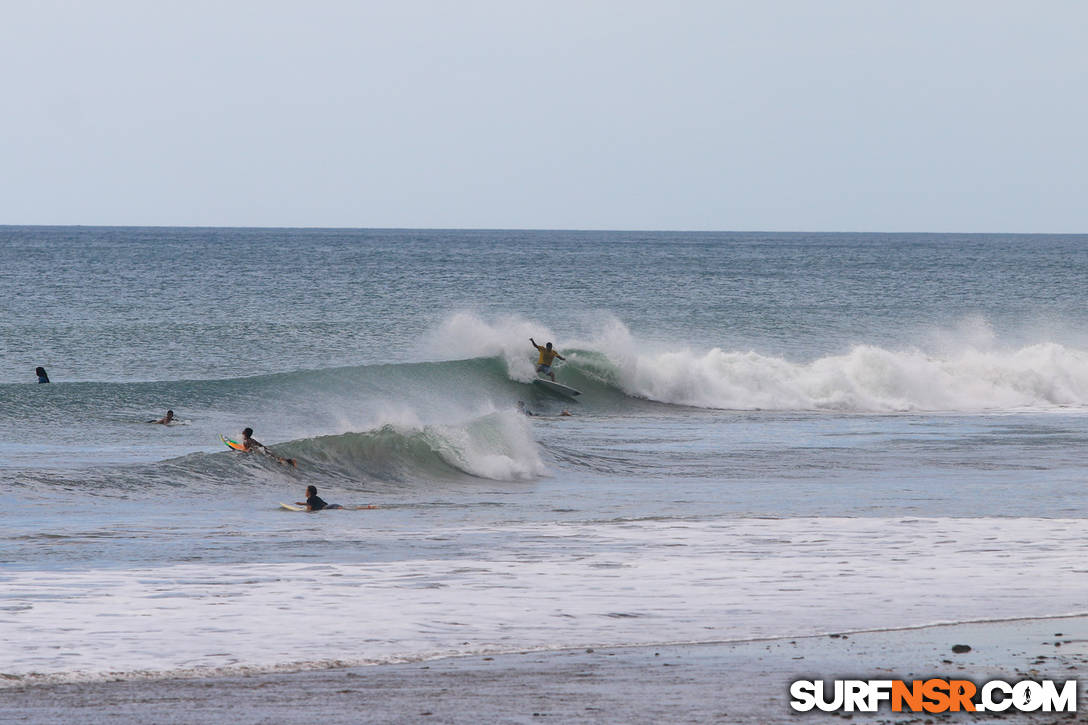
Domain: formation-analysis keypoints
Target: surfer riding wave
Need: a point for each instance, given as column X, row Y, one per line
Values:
column 547, row 355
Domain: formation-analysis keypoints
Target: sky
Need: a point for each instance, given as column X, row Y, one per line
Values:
column 829, row 115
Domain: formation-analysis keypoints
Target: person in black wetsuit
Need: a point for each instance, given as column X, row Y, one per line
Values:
column 40, row 372
column 314, row 502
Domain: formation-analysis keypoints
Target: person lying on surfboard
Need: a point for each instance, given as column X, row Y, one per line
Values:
column 165, row 420
column 547, row 355
column 250, row 444
column 314, row 502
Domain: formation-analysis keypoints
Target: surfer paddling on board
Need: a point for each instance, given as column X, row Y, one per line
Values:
column 251, row 444
column 547, row 355
column 314, row 502
column 165, row 420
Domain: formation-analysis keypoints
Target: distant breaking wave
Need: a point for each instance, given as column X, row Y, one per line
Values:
column 399, row 417
column 864, row 379
column 368, row 427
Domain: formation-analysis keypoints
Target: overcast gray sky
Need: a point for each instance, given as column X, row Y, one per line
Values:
column 835, row 115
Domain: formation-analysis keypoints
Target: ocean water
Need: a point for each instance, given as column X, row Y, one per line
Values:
column 779, row 435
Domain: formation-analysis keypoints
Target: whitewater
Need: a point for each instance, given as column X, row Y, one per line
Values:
column 778, row 435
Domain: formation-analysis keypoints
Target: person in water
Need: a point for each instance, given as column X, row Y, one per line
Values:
column 544, row 362
column 251, row 444
column 40, row 372
column 165, row 420
column 314, row 502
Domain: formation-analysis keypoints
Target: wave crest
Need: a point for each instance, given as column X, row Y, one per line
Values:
column 865, row 379
column 496, row 446
column 970, row 376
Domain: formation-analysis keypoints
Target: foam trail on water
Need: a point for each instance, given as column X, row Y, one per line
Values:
column 519, row 592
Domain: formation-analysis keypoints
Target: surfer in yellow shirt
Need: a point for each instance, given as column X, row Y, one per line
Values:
column 544, row 362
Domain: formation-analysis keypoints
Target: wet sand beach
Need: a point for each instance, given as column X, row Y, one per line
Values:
column 741, row 682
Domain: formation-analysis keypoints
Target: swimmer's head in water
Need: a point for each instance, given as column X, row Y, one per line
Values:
column 311, row 491
column 247, row 432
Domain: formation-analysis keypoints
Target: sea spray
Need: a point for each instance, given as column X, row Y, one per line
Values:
column 465, row 335
column 974, row 376
column 865, row 379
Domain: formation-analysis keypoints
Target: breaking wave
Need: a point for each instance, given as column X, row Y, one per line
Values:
column 866, row 378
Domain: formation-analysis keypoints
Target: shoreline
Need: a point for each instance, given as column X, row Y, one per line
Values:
column 36, row 679
column 745, row 681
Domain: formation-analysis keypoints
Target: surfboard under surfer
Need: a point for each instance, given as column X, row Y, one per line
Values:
column 314, row 502
column 547, row 355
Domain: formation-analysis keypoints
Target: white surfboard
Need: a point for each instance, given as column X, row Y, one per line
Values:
column 558, row 388
column 292, row 507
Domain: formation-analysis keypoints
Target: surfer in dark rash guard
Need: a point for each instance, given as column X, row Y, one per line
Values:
column 547, row 355
column 314, row 502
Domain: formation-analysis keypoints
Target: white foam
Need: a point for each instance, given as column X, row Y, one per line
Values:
column 867, row 378
column 541, row 586
column 965, row 370
column 499, row 446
